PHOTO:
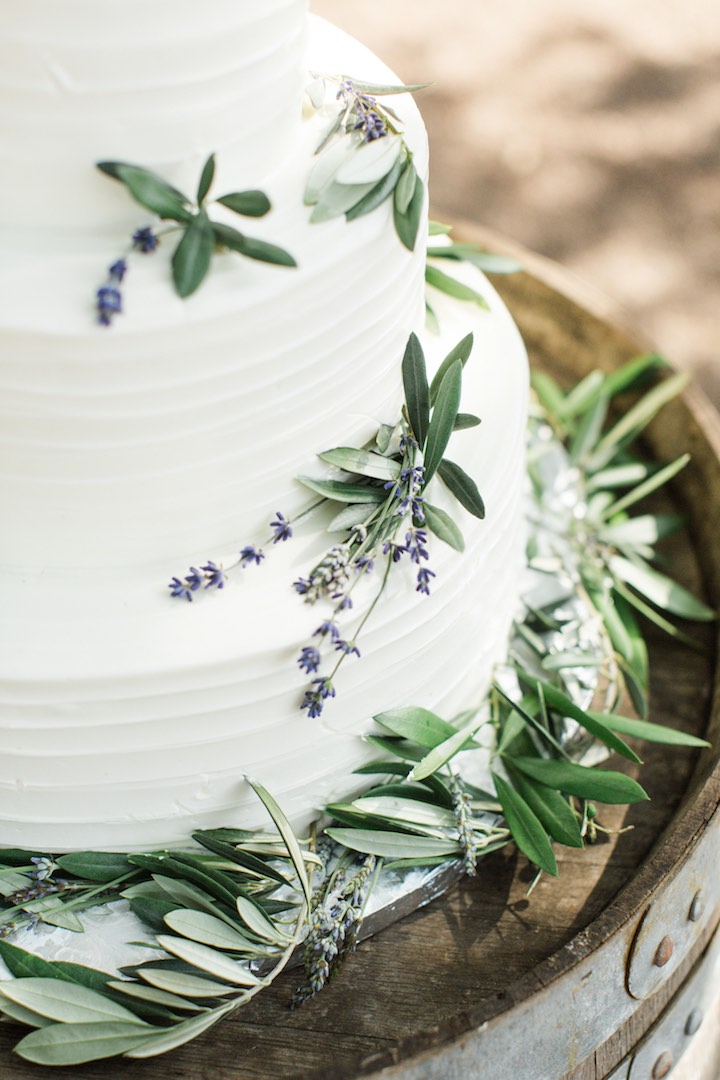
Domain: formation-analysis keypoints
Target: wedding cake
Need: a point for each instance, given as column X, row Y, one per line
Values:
column 173, row 438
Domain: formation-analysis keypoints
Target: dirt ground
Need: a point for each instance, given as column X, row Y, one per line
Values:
column 587, row 132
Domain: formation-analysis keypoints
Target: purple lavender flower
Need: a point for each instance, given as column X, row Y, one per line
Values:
column 188, row 585
column 345, row 604
column 347, row 648
column 423, row 580
column 415, row 541
column 407, row 442
column 109, row 304
column 281, row 527
column 309, row 660
column 251, row 554
column 145, row 240
column 314, row 700
column 118, row 270
column 327, row 629
column 369, row 120
column 364, row 563
column 396, row 550
column 214, row 575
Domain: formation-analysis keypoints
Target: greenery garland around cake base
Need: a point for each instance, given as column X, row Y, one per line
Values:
column 224, row 917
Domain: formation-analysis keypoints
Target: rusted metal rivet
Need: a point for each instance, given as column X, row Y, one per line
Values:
column 697, row 907
column 693, row 1021
column 663, row 953
column 662, row 1066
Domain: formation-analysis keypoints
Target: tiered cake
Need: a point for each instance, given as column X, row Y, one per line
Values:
column 130, row 452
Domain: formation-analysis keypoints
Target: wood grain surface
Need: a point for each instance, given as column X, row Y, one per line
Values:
column 486, row 947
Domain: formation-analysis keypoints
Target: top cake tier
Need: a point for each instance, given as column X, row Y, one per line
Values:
column 162, row 82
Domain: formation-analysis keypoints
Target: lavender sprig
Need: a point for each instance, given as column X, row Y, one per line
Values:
column 108, row 298
column 335, row 921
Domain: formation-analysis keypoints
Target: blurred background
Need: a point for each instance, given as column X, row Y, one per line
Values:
column 589, row 133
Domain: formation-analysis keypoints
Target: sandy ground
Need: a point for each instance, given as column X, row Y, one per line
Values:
column 588, row 132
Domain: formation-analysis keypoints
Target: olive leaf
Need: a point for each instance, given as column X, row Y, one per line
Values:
column 460, row 352
column 462, row 486
column 452, row 287
column 362, row 462
column 95, row 865
column 149, row 189
column 415, row 385
column 526, row 828
column 407, row 222
column 442, row 421
column 442, row 525
column 383, row 190
column 248, row 203
column 193, row 255
column 206, row 179
column 602, row 785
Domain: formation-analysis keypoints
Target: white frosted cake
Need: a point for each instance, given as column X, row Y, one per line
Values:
column 131, row 452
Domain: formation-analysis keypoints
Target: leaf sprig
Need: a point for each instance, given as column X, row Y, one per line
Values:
column 363, row 159
column 215, row 918
column 200, row 236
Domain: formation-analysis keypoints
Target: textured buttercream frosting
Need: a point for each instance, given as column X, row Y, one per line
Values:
column 128, row 719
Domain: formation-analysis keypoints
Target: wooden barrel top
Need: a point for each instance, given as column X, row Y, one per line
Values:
column 543, row 979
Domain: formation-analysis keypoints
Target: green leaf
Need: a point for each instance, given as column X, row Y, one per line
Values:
column 362, row 462
column 564, row 706
column 182, row 983
column 339, row 491
column 248, row 203
column 336, row 199
column 283, row 827
column 383, row 89
column 589, row 430
column 436, row 228
column 443, row 417
column 636, row 418
column 488, row 261
column 230, row 851
column 452, row 287
column 548, row 391
column 406, row 186
column 527, row 831
column 163, row 1041
column 74, row 1044
column 643, row 729
column 382, row 191
column 551, row 809
column 416, row 724
column 443, row 526
column 206, row 929
column 351, row 515
column 208, row 960
column 193, row 255
column 95, row 865
column 657, row 480
column 407, row 222
column 633, row 372
column 259, row 924
column 149, row 189
column 371, row 161
column 225, row 236
column 406, row 751
column 65, row 919
column 463, row 487
column 602, row 785
column 460, row 352
column 446, row 750
column 139, row 992
column 415, row 384
column 392, row 845
column 21, row 1015
column 64, row 1001
column 23, row 964
column 405, row 809
column 464, row 420
column 152, row 911
column 206, row 179
column 660, row 590
column 325, row 168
